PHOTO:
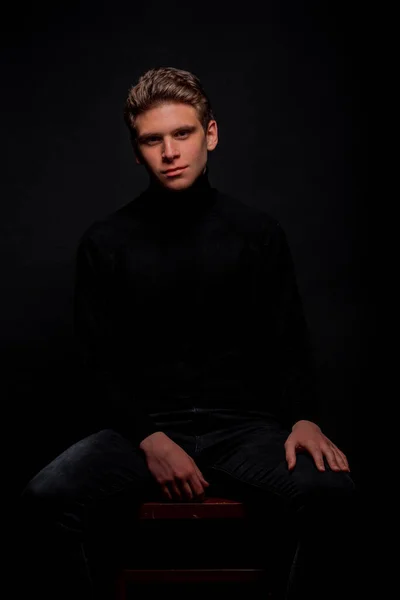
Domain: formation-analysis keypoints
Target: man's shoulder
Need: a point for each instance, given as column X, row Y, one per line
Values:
column 247, row 218
column 111, row 229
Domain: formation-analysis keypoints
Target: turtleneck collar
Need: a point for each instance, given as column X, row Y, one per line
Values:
column 200, row 184
column 192, row 200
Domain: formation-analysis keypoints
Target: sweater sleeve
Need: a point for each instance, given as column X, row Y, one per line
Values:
column 291, row 354
column 99, row 342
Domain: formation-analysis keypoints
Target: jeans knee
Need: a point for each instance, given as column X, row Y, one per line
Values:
column 322, row 488
column 39, row 499
column 332, row 496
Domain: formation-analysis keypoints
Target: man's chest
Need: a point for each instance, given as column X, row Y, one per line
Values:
column 196, row 265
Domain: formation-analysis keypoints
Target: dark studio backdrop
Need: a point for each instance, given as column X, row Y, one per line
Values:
column 285, row 88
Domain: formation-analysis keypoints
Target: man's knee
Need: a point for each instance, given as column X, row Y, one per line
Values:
column 38, row 497
column 57, row 481
column 322, row 488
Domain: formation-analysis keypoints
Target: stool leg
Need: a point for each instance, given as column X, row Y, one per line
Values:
column 120, row 588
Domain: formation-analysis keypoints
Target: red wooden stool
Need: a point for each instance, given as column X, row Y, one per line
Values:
column 214, row 526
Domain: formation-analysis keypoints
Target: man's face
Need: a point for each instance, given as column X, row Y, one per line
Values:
column 171, row 136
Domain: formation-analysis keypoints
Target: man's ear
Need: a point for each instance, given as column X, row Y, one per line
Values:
column 138, row 156
column 212, row 135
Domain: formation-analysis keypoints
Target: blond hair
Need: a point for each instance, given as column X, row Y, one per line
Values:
column 166, row 84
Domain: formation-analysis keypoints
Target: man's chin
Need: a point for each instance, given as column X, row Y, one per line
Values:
column 175, row 185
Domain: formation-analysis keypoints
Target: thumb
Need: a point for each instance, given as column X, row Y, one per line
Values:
column 290, row 454
column 203, row 480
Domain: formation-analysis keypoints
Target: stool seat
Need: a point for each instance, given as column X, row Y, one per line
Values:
column 210, row 508
column 214, row 547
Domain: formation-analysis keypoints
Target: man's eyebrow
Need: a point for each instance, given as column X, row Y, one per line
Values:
column 144, row 136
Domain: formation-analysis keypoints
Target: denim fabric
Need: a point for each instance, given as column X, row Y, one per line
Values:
column 93, row 484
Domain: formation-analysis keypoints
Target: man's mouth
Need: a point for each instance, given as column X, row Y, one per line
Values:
column 172, row 173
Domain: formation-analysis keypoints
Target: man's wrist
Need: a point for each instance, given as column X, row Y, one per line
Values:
column 148, row 440
column 303, row 421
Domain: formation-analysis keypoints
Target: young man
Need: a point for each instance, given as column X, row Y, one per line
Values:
column 200, row 367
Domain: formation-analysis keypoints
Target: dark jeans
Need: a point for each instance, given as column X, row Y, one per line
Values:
column 93, row 484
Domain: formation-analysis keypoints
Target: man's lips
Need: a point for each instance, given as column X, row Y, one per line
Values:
column 174, row 171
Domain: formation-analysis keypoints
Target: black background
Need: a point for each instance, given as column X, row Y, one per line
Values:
column 286, row 88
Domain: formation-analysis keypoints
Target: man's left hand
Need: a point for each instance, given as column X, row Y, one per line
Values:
column 306, row 435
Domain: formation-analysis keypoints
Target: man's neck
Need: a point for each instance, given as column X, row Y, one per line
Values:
column 200, row 185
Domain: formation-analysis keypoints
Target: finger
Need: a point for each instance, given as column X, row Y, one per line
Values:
column 166, row 492
column 187, row 490
column 201, row 477
column 330, row 454
column 344, row 458
column 197, row 496
column 341, row 458
column 175, row 491
column 198, row 483
column 316, row 453
column 290, row 454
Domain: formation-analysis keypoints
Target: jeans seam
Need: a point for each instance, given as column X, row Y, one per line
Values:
column 198, row 446
column 104, row 497
column 274, row 492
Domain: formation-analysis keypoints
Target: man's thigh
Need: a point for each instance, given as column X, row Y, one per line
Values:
column 250, row 462
column 89, row 475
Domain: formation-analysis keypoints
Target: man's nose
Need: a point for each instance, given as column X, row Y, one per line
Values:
column 170, row 149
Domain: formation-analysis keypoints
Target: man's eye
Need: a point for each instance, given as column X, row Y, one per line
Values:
column 153, row 140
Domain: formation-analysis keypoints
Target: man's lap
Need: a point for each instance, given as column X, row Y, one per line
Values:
column 238, row 450
column 246, row 456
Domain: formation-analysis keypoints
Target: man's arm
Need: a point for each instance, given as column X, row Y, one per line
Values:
column 293, row 357
column 98, row 333
column 292, row 353
column 99, row 340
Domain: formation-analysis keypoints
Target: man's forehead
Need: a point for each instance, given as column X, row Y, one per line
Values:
column 166, row 118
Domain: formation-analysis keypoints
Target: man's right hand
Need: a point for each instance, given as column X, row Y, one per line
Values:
column 174, row 470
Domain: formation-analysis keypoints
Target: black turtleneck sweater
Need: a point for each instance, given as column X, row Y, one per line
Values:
column 187, row 299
